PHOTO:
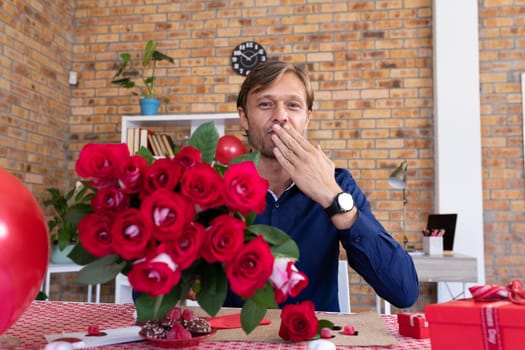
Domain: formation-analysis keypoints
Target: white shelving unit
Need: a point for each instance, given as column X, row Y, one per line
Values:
column 166, row 120
column 66, row 268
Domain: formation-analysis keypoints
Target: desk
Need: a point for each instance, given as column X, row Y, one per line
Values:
column 42, row 318
column 449, row 267
column 65, row 268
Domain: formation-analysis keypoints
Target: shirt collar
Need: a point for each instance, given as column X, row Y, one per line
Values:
column 275, row 198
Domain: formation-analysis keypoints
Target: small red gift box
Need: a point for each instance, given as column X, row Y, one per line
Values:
column 476, row 325
column 413, row 324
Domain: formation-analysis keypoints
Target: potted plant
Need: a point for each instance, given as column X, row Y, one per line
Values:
column 129, row 76
column 69, row 208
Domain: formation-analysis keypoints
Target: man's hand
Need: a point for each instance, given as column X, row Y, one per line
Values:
column 308, row 166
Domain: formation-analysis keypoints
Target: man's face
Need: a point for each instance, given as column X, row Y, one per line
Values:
column 283, row 102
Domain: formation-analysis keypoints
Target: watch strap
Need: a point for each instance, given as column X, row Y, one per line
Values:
column 334, row 208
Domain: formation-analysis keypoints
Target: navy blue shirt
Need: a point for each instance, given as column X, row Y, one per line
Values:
column 371, row 251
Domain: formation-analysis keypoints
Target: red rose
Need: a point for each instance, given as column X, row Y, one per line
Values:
column 224, row 238
column 162, row 174
column 186, row 247
column 245, row 190
column 286, row 279
column 155, row 275
column 167, row 213
column 132, row 172
column 202, row 185
column 251, row 268
column 298, row 322
column 99, row 163
column 188, row 157
column 95, row 234
column 131, row 234
column 109, row 200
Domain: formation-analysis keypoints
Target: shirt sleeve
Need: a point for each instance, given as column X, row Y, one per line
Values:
column 374, row 254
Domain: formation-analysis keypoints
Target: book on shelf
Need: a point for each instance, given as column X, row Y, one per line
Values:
column 163, row 151
column 143, row 138
column 160, row 144
column 130, row 133
column 167, row 145
column 136, row 140
column 154, row 146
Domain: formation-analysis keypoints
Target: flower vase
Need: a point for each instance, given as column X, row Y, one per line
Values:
column 61, row 256
column 149, row 106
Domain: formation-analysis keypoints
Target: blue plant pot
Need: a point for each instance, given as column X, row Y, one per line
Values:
column 149, row 106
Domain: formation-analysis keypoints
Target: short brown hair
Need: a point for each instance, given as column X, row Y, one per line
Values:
column 266, row 73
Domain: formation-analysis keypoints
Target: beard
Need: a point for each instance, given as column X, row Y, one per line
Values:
column 262, row 143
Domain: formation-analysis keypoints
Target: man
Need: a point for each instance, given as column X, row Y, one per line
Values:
column 317, row 205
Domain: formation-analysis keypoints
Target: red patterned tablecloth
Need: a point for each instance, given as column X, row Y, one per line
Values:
column 52, row 317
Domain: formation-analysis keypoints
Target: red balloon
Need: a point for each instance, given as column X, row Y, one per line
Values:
column 24, row 249
column 229, row 147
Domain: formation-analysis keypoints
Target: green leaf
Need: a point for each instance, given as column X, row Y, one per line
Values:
column 41, row 296
column 77, row 212
column 325, row 324
column 250, row 218
column 80, row 255
column 187, row 280
column 151, row 46
column 158, row 56
column 83, row 194
column 125, row 83
column 151, row 308
column 213, row 288
column 101, row 271
column 64, row 238
column 205, row 138
column 288, row 249
column 251, row 156
column 280, row 243
column 265, row 296
column 146, row 154
column 251, row 315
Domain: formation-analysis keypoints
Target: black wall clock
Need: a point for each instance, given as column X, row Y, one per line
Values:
column 246, row 56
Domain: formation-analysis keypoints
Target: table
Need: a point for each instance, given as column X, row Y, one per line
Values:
column 449, row 267
column 65, row 268
column 51, row 317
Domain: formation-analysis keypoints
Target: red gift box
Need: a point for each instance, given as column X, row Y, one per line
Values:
column 413, row 324
column 476, row 325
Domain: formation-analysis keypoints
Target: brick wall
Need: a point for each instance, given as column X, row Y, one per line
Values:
column 371, row 62
column 502, row 61
column 35, row 57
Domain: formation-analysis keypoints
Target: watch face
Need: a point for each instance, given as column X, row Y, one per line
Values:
column 246, row 56
column 345, row 201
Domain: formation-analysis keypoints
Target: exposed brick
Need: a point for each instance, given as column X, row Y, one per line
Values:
column 371, row 65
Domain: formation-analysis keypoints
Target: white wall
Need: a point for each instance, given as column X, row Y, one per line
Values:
column 457, row 128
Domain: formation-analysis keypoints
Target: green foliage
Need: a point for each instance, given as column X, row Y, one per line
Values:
column 41, row 296
column 69, row 208
column 205, row 139
column 127, row 73
column 101, row 270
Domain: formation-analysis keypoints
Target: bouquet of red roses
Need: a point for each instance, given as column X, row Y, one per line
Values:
column 185, row 224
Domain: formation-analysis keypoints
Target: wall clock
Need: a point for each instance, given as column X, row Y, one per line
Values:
column 246, row 56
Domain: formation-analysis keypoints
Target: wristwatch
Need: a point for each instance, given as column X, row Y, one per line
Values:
column 342, row 203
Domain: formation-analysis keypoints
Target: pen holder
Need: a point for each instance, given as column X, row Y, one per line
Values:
column 433, row 245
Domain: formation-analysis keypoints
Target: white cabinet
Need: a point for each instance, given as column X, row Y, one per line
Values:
column 166, row 120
